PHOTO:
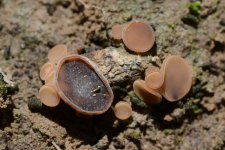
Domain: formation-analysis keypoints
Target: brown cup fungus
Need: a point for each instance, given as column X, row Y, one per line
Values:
column 177, row 78
column 145, row 93
column 49, row 96
column 173, row 81
column 45, row 69
column 56, row 53
column 77, row 81
column 154, row 80
column 137, row 36
column 117, row 31
column 122, row 110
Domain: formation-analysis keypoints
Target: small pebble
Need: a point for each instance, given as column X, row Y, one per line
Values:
column 168, row 118
column 222, row 22
column 34, row 104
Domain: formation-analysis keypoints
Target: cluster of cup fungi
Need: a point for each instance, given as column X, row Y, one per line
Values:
column 77, row 81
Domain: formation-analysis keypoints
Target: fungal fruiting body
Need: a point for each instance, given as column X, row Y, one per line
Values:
column 76, row 80
column 137, row 36
column 177, row 78
column 82, row 86
column 117, row 31
column 154, row 80
column 145, row 93
column 122, row 110
column 173, row 81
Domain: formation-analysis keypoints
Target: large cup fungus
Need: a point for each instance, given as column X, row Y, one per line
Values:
column 76, row 80
column 137, row 36
column 82, row 86
column 173, row 81
column 177, row 78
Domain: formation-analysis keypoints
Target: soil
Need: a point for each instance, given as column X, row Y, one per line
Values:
column 28, row 29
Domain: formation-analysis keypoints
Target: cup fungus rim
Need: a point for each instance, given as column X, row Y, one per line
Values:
column 93, row 66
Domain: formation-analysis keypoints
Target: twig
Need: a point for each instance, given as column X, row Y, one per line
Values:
column 56, row 146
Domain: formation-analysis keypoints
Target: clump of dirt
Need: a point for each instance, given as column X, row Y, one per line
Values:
column 29, row 29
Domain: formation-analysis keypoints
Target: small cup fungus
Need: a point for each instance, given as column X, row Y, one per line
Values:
column 56, row 53
column 154, row 80
column 76, row 80
column 173, row 81
column 137, row 36
column 49, row 96
column 145, row 93
column 123, row 110
column 117, row 31
column 45, row 69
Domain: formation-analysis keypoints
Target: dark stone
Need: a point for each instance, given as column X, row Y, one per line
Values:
column 222, row 22
column 65, row 3
column 34, row 104
column 190, row 20
column 50, row 9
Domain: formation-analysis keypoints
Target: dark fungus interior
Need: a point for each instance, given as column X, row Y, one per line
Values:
column 83, row 87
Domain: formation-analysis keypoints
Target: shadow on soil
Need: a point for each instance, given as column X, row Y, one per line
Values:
column 87, row 129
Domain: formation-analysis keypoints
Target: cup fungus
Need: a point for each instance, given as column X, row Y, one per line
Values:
column 177, row 78
column 76, row 80
column 49, row 96
column 173, row 81
column 45, row 69
column 122, row 110
column 137, row 36
column 154, row 80
column 56, row 53
column 145, row 93
column 82, row 86
column 117, row 31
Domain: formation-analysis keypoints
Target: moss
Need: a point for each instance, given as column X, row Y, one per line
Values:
column 191, row 20
column 134, row 135
column 172, row 26
column 136, row 101
column 127, row 16
column 195, row 109
column 168, row 131
column 3, row 89
column 195, row 8
column 3, row 86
